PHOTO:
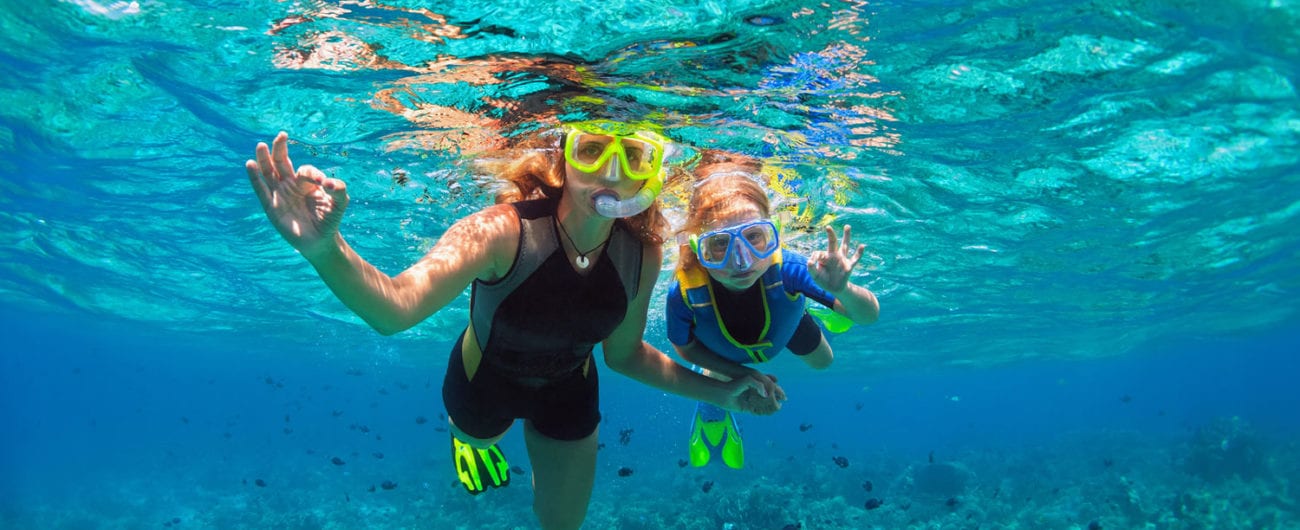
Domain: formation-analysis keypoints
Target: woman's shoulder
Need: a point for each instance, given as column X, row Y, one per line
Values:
column 490, row 224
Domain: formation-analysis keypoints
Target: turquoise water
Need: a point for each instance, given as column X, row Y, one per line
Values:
column 1080, row 221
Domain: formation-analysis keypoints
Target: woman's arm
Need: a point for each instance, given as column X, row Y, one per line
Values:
column 468, row 250
column 700, row 355
column 628, row 354
column 306, row 208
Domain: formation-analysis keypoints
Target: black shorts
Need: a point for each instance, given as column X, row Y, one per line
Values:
column 806, row 337
column 564, row 409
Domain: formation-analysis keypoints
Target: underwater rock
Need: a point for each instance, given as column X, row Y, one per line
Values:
column 1224, row 448
column 943, row 480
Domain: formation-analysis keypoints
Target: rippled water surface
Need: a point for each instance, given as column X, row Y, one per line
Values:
column 1056, row 181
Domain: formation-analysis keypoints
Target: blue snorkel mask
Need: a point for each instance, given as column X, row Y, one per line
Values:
column 742, row 244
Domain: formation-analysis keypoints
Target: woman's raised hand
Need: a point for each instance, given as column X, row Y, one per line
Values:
column 305, row 206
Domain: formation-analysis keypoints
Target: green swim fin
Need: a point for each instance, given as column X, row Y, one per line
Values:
column 834, row 322
column 473, row 464
column 714, row 430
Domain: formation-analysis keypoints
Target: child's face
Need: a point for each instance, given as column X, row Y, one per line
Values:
column 742, row 268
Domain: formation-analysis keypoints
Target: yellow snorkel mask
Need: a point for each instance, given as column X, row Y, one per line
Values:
column 641, row 152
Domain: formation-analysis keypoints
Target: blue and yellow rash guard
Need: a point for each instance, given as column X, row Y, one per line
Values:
column 693, row 302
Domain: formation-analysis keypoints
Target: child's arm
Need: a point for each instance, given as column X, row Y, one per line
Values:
column 831, row 270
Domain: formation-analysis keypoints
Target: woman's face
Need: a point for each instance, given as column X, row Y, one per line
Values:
column 609, row 179
column 742, row 268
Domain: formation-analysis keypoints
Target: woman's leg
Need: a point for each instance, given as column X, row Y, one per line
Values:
column 563, row 475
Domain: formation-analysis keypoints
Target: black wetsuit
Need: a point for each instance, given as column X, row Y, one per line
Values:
column 536, row 327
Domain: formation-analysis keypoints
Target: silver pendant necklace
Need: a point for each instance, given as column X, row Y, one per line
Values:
column 581, row 260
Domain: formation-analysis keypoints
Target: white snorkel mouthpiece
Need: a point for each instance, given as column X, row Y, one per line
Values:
column 610, row 206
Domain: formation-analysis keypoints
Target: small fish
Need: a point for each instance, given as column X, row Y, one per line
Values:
column 1094, row 525
column 706, row 486
column 931, row 457
column 873, row 503
column 378, row 455
column 372, row 488
column 792, row 526
column 763, row 20
column 337, row 461
column 841, row 461
column 624, row 471
column 857, row 406
column 388, row 485
column 803, row 427
column 517, row 470
column 867, row 485
column 1126, row 398
column 420, row 420
column 951, row 502
column 260, row 483
column 625, row 436
column 681, row 462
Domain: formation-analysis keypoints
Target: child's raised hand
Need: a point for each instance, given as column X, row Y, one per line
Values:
column 832, row 268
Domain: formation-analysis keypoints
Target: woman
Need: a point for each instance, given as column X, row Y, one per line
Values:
column 565, row 260
column 739, row 297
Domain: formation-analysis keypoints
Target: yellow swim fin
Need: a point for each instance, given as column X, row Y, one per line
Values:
column 714, row 430
column 473, row 465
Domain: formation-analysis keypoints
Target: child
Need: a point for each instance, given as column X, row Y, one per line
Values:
column 739, row 296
